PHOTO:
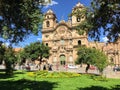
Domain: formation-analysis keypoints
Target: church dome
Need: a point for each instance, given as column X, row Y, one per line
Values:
column 62, row 21
column 50, row 14
column 49, row 11
column 78, row 5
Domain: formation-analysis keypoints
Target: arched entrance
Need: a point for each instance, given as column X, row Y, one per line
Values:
column 62, row 59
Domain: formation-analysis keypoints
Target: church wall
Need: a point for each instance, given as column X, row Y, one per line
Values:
column 64, row 40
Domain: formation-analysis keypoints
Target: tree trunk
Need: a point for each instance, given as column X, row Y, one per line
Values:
column 101, row 72
column 9, row 69
column 88, row 66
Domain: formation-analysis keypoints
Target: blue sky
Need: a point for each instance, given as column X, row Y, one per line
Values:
column 62, row 8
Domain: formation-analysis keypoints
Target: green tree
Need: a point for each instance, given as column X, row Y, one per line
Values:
column 36, row 50
column 92, row 56
column 102, row 14
column 20, row 55
column 7, row 54
column 19, row 18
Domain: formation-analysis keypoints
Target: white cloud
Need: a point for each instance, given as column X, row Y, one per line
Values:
column 51, row 4
column 105, row 39
column 6, row 44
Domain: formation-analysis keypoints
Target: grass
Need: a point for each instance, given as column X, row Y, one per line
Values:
column 21, row 81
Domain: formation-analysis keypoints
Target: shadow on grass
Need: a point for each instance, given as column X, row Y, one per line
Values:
column 117, row 87
column 24, row 84
column 5, row 76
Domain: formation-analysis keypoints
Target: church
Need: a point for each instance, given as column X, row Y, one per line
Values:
column 63, row 39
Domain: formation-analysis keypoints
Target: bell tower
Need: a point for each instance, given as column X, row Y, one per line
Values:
column 77, row 17
column 49, row 20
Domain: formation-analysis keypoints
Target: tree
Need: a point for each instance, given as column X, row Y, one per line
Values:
column 92, row 56
column 36, row 50
column 7, row 54
column 19, row 55
column 19, row 18
column 102, row 14
column 10, row 59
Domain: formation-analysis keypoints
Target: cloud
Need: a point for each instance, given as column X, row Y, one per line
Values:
column 39, row 39
column 105, row 39
column 6, row 44
column 51, row 4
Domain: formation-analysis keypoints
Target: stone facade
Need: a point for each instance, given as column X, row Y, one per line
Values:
column 63, row 39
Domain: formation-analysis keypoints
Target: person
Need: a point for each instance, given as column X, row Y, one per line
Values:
column 66, row 67
column 50, row 67
column 28, row 67
column 115, row 68
column 88, row 66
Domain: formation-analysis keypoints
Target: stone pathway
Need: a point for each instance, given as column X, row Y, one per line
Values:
column 108, row 72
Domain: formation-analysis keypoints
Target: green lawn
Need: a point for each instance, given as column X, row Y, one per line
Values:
column 21, row 81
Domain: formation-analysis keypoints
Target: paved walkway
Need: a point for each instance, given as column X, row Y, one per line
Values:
column 108, row 72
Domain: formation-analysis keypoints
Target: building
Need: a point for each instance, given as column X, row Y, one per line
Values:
column 63, row 39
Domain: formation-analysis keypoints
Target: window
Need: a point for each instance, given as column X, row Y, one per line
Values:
column 62, row 59
column 78, row 19
column 48, row 24
column 111, row 60
column 46, row 36
column 79, row 42
column 47, row 17
column 46, row 44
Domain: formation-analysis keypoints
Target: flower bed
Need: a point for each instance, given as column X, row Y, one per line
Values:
column 46, row 74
